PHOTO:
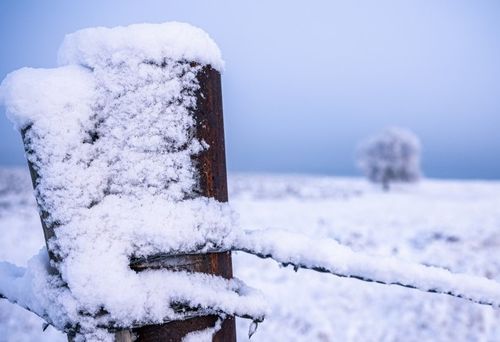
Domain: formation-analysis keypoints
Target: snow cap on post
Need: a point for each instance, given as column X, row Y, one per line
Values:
column 147, row 42
column 28, row 95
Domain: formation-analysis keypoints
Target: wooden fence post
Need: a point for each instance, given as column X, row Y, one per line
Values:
column 211, row 169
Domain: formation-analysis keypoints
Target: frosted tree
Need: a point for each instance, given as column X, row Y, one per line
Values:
column 392, row 156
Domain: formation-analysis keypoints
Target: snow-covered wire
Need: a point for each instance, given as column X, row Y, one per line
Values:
column 13, row 288
column 328, row 256
column 185, row 295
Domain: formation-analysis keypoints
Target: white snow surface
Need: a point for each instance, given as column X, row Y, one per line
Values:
column 454, row 225
column 33, row 95
column 152, row 42
column 204, row 335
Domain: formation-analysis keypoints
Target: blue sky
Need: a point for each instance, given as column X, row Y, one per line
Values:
column 305, row 81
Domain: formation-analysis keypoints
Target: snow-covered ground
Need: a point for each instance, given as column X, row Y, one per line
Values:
column 451, row 224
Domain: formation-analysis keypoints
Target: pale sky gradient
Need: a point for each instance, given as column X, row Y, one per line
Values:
column 306, row 80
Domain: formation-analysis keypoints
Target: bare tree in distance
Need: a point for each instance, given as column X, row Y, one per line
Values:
column 391, row 156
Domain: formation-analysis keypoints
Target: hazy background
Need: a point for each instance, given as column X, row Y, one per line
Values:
column 306, row 80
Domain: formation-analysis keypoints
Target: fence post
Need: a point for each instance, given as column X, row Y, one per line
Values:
column 211, row 168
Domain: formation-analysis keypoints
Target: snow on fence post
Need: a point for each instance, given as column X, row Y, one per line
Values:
column 125, row 145
column 211, row 169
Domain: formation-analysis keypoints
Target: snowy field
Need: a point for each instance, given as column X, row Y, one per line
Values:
column 451, row 224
